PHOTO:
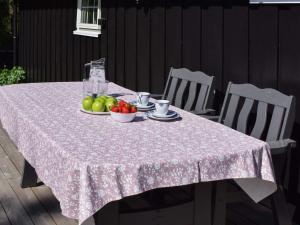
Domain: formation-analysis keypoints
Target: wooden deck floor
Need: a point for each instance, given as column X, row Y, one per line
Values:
column 38, row 206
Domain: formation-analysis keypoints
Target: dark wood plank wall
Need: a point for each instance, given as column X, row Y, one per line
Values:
column 228, row 39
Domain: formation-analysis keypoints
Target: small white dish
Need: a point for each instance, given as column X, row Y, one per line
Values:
column 150, row 105
column 151, row 116
column 94, row 113
column 170, row 113
column 123, row 117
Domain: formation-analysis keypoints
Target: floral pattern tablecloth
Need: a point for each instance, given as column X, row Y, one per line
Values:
column 89, row 160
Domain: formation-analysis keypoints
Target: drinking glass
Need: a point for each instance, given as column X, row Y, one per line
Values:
column 102, row 87
column 87, row 88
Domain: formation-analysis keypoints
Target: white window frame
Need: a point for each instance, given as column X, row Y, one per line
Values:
column 90, row 30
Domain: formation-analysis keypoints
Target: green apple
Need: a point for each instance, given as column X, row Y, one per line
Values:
column 99, row 99
column 112, row 99
column 98, row 106
column 110, row 102
column 103, row 96
column 87, row 103
column 89, row 97
column 109, row 105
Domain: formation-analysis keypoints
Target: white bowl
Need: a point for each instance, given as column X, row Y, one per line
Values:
column 123, row 117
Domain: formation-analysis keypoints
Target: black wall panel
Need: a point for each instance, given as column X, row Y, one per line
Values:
column 228, row 39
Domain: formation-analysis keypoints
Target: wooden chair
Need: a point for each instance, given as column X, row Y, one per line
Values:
column 274, row 117
column 197, row 87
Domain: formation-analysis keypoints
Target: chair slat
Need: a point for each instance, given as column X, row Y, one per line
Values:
column 231, row 111
column 244, row 115
column 275, row 124
column 261, row 120
column 178, row 98
column 172, row 89
column 185, row 76
column 201, row 98
column 191, row 97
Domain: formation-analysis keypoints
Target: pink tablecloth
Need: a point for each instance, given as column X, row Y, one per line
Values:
column 89, row 161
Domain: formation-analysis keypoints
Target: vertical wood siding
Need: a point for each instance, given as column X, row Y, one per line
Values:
column 228, row 39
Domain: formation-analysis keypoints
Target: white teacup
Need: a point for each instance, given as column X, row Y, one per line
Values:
column 142, row 98
column 162, row 107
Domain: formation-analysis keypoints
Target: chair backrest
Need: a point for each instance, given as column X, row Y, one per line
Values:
column 200, row 88
column 241, row 100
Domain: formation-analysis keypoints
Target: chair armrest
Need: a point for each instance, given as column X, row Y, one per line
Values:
column 281, row 146
column 156, row 96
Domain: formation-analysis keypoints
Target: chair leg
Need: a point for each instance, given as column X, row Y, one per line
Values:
column 202, row 204
column 219, row 211
column 29, row 177
column 280, row 209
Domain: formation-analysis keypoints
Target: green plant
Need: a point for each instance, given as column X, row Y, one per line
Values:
column 11, row 76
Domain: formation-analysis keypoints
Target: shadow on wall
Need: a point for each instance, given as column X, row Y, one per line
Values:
column 6, row 58
column 293, row 188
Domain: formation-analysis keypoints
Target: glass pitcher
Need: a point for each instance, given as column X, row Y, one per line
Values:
column 97, row 77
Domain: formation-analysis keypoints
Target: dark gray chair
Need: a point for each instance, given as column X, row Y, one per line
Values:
column 191, row 91
column 274, row 115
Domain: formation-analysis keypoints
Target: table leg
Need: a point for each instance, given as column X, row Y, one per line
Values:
column 89, row 221
column 29, row 177
column 203, row 204
column 219, row 214
column 109, row 215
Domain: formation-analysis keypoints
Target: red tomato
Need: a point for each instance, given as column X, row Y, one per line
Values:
column 133, row 109
column 115, row 109
column 127, row 106
column 125, row 110
column 122, row 103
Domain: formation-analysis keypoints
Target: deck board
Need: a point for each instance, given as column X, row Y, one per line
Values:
column 14, row 209
column 3, row 217
column 7, row 167
column 32, row 205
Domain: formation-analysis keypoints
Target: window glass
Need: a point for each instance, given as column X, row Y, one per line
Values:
column 89, row 10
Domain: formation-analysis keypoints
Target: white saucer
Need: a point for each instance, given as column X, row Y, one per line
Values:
column 94, row 113
column 169, row 114
column 149, row 106
column 151, row 116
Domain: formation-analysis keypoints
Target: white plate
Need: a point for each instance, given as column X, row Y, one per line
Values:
column 150, row 116
column 145, row 110
column 149, row 106
column 95, row 113
column 169, row 114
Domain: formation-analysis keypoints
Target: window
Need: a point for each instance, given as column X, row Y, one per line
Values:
column 88, row 16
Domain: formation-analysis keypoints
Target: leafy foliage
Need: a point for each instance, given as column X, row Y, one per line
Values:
column 11, row 76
